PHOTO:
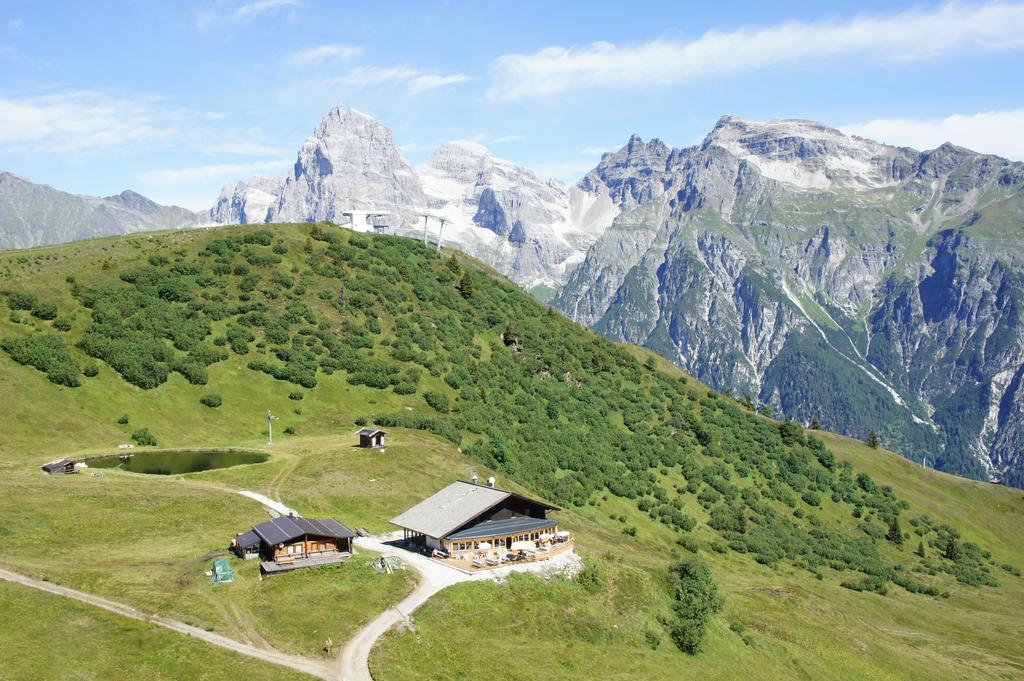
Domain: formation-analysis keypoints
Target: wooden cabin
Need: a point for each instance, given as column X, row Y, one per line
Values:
column 292, row 542
column 59, row 467
column 466, row 517
column 371, row 438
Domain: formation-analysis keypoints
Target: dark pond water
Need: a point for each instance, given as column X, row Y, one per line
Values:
column 176, row 462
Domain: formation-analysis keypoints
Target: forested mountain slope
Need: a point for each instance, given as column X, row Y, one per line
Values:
column 871, row 287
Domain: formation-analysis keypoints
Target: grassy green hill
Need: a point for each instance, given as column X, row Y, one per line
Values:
column 812, row 541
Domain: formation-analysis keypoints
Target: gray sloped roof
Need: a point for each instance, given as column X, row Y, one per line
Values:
column 452, row 507
column 287, row 528
column 369, row 432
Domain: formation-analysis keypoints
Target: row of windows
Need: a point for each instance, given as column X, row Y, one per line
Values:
column 475, row 545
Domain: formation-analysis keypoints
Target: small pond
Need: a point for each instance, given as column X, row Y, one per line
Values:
column 174, row 462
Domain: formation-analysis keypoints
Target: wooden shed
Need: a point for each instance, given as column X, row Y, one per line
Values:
column 59, row 467
column 371, row 438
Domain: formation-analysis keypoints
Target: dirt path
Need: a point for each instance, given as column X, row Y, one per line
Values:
column 301, row 664
column 353, row 663
column 276, row 506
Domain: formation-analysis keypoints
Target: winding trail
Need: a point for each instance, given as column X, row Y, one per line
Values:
column 296, row 662
column 353, row 663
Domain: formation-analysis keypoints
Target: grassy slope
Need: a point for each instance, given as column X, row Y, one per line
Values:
column 796, row 625
column 47, row 636
column 142, row 539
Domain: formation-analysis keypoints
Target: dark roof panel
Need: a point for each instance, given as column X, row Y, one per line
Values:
column 491, row 528
column 287, row 528
column 247, row 540
column 369, row 432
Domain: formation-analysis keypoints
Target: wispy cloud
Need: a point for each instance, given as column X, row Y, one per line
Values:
column 912, row 35
column 205, row 174
column 82, row 121
column 596, row 151
column 413, row 79
column 433, row 81
column 991, row 132
column 253, row 9
column 322, row 53
column 243, row 13
column 14, row 24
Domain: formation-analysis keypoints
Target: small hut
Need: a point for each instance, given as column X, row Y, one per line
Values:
column 246, row 545
column 371, row 438
column 59, row 467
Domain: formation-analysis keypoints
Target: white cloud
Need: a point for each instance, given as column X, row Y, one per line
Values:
column 321, row 53
column 415, row 80
column 432, row 81
column 215, row 173
column 254, row 9
column 597, row 151
column 242, row 13
column 912, row 35
column 375, row 75
column 14, row 24
column 504, row 139
column 990, row 132
column 82, row 121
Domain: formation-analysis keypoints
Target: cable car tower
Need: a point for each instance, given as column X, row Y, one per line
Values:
column 427, row 217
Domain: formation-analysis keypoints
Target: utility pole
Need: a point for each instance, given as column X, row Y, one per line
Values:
column 426, row 218
column 270, row 427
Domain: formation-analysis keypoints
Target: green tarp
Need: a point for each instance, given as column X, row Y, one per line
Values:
column 222, row 572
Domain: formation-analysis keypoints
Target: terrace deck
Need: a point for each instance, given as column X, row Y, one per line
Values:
column 270, row 567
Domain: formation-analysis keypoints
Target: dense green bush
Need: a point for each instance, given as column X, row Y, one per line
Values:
column 144, row 438
column 45, row 311
column 439, row 401
column 212, row 400
column 696, row 602
column 47, row 353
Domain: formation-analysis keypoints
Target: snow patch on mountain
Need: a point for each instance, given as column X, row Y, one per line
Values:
column 806, row 154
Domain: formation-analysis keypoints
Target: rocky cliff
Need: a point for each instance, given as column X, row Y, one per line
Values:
column 533, row 230
column 870, row 286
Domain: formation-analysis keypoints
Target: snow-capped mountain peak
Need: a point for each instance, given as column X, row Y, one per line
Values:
column 806, row 154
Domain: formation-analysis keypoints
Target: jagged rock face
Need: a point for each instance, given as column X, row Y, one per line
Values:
column 38, row 215
column 532, row 230
column 504, row 214
column 247, row 202
column 785, row 260
column 350, row 162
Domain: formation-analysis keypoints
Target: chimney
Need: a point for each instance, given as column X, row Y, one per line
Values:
column 490, row 481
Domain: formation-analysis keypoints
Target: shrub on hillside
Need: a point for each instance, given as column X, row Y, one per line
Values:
column 21, row 301
column 439, row 401
column 696, row 602
column 212, row 400
column 44, row 311
column 144, row 438
column 47, row 353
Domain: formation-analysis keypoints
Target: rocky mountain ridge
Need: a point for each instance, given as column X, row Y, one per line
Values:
column 33, row 214
column 870, row 286
column 533, row 230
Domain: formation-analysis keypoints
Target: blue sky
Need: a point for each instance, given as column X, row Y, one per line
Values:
column 174, row 101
